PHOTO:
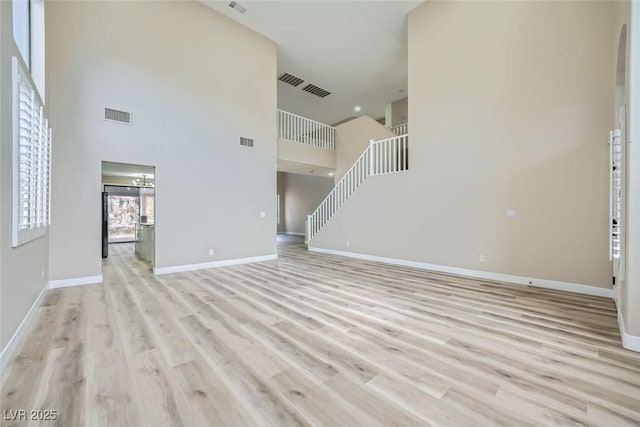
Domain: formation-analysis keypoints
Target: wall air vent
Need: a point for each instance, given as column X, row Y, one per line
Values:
column 234, row 5
column 247, row 142
column 290, row 79
column 117, row 116
column 315, row 90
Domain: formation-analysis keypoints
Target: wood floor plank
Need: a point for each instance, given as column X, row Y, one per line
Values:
column 316, row 403
column 316, row 339
column 215, row 403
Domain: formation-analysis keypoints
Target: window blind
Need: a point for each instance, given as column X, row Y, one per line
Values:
column 31, row 160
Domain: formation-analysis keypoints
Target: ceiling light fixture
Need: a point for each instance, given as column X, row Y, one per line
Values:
column 330, row 173
column 357, row 108
column 142, row 182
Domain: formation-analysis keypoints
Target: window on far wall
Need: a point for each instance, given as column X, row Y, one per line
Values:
column 22, row 28
column 31, row 159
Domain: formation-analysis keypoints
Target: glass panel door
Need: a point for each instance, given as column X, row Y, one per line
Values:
column 124, row 213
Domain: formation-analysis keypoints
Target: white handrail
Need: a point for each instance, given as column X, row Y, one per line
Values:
column 381, row 157
column 401, row 129
column 306, row 131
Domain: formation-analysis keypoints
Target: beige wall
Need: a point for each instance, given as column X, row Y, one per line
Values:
column 352, row 138
column 505, row 114
column 302, row 195
column 306, row 154
column 23, row 269
column 192, row 93
column 400, row 111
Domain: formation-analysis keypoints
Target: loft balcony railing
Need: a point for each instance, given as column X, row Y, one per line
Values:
column 402, row 129
column 300, row 129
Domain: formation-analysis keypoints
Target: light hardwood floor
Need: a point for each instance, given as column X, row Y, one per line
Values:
column 314, row 339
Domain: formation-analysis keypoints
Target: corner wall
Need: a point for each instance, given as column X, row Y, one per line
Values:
column 506, row 113
column 192, row 95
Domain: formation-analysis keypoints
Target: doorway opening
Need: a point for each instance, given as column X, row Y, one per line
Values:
column 128, row 210
column 618, row 170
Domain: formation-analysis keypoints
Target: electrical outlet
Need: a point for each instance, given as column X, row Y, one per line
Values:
column 512, row 213
column 211, row 252
column 481, row 258
column 263, row 214
column 348, row 244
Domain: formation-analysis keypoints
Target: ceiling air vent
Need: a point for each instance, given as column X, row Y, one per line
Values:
column 247, row 142
column 117, row 116
column 315, row 90
column 290, row 79
column 234, row 5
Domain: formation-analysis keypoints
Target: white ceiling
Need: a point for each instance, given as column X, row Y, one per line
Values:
column 357, row 50
column 304, row 169
column 128, row 170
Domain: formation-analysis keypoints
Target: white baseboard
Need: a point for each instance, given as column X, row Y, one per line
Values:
column 528, row 281
column 77, row 281
column 293, row 233
column 214, row 264
column 630, row 342
column 11, row 346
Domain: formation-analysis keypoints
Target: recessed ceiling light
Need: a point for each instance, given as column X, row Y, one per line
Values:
column 330, row 173
column 357, row 108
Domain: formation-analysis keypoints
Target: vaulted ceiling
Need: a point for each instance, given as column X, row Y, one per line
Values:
column 357, row 50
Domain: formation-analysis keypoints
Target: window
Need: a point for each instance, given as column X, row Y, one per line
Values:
column 28, row 34
column 22, row 28
column 31, row 159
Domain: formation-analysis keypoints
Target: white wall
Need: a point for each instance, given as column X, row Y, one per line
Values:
column 22, row 268
column 195, row 82
column 510, row 106
column 629, row 14
column 302, row 195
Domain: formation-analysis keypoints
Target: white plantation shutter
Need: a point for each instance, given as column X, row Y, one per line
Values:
column 32, row 160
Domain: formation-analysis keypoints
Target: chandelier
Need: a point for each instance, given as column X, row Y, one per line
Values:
column 142, row 182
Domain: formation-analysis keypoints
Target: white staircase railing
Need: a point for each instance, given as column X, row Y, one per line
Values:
column 402, row 129
column 306, row 131
column 381, row 157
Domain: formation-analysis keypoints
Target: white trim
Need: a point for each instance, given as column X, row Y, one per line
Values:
column 630, row 342
column 214, row 264
column 293, row 233
column 527, row 281
column 64, row 283
column 12, row 344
